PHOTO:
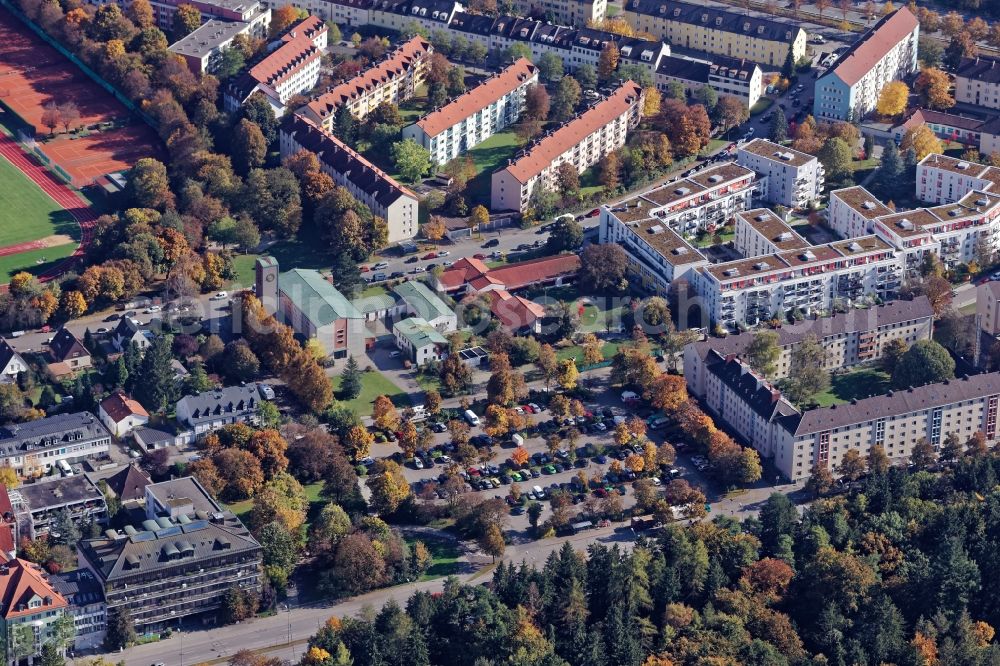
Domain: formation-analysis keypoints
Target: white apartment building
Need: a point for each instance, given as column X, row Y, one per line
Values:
column 849, row 90
column 760, row 232
column 656, row 254
column 977, row 81
column 394, row 79
column 793, row 179
column 34, row 448
column 943, row 179
column 202, row 49
column 852, row 211
column 850, row 339
column 582, row 142
column 908, row 233
column 386, row 198
column 290, row 69
column 475, row 115
column 796, row 441
column 741, row 79
column 251, row 12
column 577, row 13
column 806, row 281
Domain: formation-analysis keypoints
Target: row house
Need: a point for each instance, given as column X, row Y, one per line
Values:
column 849, row 90
column 393, row 79
column 386, row 197
column 812, row 280
column 582, row 142
column 475, row 115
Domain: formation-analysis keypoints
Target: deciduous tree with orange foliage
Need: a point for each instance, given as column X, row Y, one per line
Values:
column 668, row 393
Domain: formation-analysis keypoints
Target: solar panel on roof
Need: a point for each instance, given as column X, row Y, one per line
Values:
column 194, row 526
column 168, row 531
column 142, row 536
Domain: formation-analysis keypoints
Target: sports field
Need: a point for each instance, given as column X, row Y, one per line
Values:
column 34, row 230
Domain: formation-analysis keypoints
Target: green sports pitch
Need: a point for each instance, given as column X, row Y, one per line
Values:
column 28, row 214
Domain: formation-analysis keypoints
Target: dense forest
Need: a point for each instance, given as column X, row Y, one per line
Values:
column 899, row 570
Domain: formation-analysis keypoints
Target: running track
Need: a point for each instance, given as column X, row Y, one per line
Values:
column 59, row 193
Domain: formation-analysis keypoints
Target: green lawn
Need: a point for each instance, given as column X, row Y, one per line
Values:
column 33, row 261
column 705, row 240
column 487, row 156
column 373, row 384
column 853, row 385
column 576, row 352
column 444, row 557
column 763, row 104
column 374, row 290
column 714, row 145
column 306, row 250
column 244, row 266
column 27, row 213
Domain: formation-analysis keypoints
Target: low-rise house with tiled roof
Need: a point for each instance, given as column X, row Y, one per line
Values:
column 179, row 562
column 393, row 79
column 849, row 90
column 217, row 408
column 471, row 275
column 34, row 448
column 310, row 304
column 475, row 115
column 291, row 68
column 387, row 198
column 11, row 363
column 515, row 313
column 947, row 126
column 121, row 414
column 582, row 142
column 420, row 341
column 127, row 484
column 977, row 81
column 161, row 436
column 67, row 354
column 29, row 607
column 736, row 77
column 850, row 338
column 726, row 31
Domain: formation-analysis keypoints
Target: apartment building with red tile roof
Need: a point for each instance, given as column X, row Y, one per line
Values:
column 28, row 600
column 582, row 142
column 476, row 114
column 290, row 69
column 394, row 79
column 850, row 88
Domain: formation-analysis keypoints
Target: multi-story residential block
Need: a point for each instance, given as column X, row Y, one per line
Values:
column 476, row 114
column 977, row 81
column 311, row 305
column 657, row 255
column 760, row 232
column 29, row 607
column 179, row 562
column 850, row 338
column 741, row 79
column 988, row 308
column 791, row 178
column 849, row 90
column 585, row 46
column 251, row 12
column 86, row 604
column 34, row 448
column 908, row 233
column 577, row 13
column 290, row 69
column 405, row 15
column 38, row 505
column 724, row 31
column 797, row 441
column 853, row 210
column 393, row 79
column 11, row 363
column 806, row 281
column 202, row 49
column 582, row 142
column 386, row 198
column 211, row 410
column 943, row 179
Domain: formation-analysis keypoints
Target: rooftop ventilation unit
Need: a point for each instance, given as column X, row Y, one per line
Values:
column 714, row 178
column 785, row 236
column 732, row 272
column 680, row 250
column 656, row 229
column 762, row 266
column 854, row 247
column 682, row 191
column 808, row 255
column 962, row 165
column 762, row 217
column 905, row 224
column 868, row 205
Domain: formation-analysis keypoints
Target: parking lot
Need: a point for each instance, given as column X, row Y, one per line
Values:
column 593, row 453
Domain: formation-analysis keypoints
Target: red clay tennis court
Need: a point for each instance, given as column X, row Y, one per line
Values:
column 32, row 74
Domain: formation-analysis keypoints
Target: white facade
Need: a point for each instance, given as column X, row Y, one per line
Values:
column 14, row 365
column 582, row 142
column 942, row 179
column 794, row 179
column 741, row 79
column 853, row 210
column 567, row 12
column 760, row 232
column 977, row 81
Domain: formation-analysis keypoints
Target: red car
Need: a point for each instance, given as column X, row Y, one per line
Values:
column 365, row 269
column 601, row 492
column 430, row 255
column 594, row 213
column 474, row 471
column 528, row 409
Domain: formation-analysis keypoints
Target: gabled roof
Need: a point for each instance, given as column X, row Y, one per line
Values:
column 980, row 68
column 731, row 20
column 315, row 297
column 20, row 583
column 512, row 276
column 7, row 354
column 65, row 345
column 419, row 332
column 129, row 485
column 514, row 312
column 754, row 390
column 119, row 407
column 230, row 400
column 425, row 302
column 865, row 53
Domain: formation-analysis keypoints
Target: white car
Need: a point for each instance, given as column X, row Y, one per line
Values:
column 152, row 308
column 220, row 296
column 443, row 253
column 381, row 264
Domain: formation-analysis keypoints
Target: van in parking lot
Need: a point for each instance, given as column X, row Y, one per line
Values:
column 539, row 492
column 471, row 417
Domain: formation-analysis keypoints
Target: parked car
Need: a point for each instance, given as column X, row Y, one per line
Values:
column 219, row 296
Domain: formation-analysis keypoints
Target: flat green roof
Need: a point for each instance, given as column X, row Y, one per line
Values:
column 418, row 295
column 316, row 298
column 419, row 333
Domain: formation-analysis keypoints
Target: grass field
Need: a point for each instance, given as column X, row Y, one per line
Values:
column 858, row 384
column 444, row 557
column 305, row 250
column 487, row 156
column 373, row 384
column 27, row 214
